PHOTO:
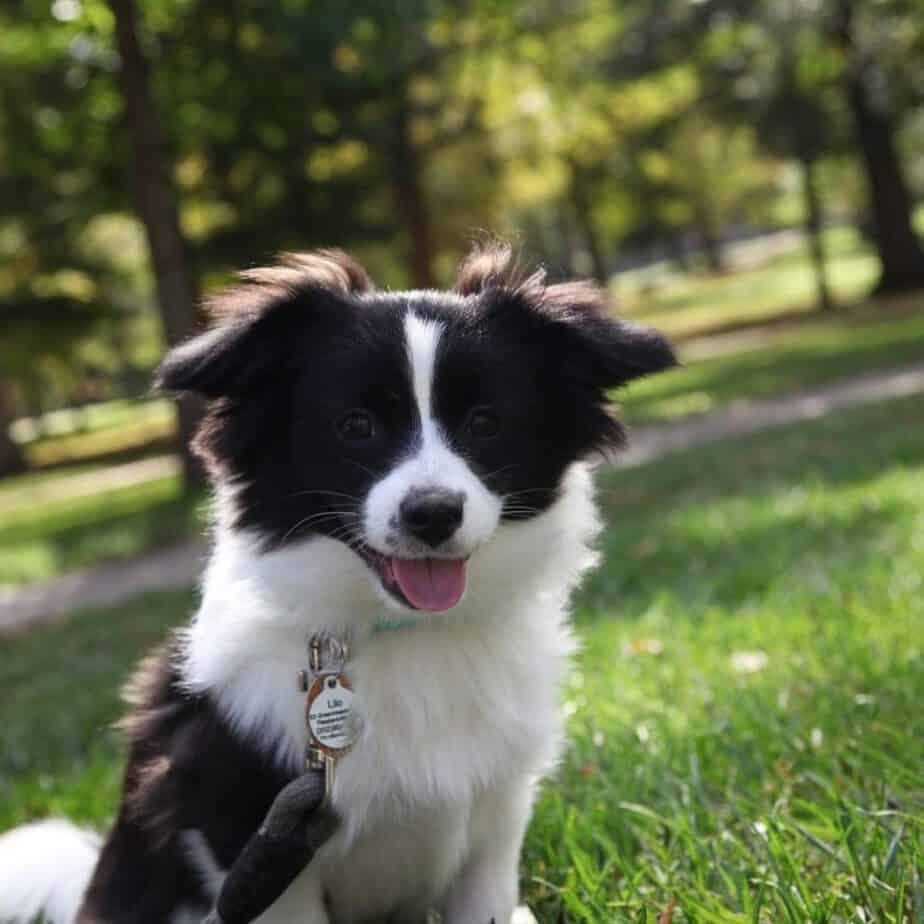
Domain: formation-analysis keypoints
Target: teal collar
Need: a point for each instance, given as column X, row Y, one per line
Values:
column 388, row 624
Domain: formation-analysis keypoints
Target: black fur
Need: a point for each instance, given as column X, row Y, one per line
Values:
column 298, row 347
column 186, row 771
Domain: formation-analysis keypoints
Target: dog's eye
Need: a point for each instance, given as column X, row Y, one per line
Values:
column 356, row 426
column 483, row 423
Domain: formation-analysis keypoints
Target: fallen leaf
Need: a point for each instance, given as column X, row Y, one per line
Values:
column 749, row 662
column 667, row 915
column 643, row 646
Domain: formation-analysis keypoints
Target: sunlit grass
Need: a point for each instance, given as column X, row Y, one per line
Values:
column 781, row 360
column 745, row 722
column 39, row 541
column 698, row 304
column 118, row 427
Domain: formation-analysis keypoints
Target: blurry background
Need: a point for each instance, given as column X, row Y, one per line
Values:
column 721, row 165
column 745, row 174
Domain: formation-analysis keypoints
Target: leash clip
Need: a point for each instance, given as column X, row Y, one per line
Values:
column 317, row 759
column 329, row 712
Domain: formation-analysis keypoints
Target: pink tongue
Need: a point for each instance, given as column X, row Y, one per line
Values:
column 430, row 583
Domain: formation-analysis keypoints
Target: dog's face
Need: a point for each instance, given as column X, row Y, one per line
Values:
column 407, row 426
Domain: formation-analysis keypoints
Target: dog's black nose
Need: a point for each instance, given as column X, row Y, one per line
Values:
column 432, row 514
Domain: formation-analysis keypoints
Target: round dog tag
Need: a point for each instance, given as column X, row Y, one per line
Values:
column 331, row 719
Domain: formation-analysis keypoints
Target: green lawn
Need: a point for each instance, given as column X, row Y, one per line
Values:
column 746, row 723
column 107, row 429
column 40, row 540
column 688, row 305
column 782, row 359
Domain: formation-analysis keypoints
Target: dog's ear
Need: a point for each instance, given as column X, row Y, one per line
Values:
column 598, row 349
column 254, row 323
column 226, row 360
column 603, row 351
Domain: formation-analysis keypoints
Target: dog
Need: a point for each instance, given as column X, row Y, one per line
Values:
column 407, row 473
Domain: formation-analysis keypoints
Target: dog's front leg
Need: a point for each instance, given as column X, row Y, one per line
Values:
column 486, row 889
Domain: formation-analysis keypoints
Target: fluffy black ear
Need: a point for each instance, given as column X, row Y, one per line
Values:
column 254, row 322
column 605, row 352
column 224, row 361
column 600, row 351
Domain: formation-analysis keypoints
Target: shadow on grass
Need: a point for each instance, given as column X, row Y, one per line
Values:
column 767, row 369
column 59, row 695
column 721, row 523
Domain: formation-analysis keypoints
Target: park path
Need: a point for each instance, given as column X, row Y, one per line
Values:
column 180, row 565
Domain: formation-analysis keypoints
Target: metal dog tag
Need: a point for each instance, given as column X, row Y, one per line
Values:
column 331, row 716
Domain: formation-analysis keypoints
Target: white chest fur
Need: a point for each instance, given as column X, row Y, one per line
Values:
column 451, row 710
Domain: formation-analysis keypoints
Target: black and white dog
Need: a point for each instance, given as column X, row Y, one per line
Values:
column 408, row 472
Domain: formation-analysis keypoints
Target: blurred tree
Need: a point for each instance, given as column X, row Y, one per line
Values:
column 52, row 289
column 777, row 72
column 707, row 175
column 47, row 337
column 779, row 62
column 12, row 459
column 867, row 42
column 177, row 291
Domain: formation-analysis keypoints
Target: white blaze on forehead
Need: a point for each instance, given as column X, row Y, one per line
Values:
column 431, row 462
column 422, row 338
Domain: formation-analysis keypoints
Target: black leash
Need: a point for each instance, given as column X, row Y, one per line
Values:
column 295, row 828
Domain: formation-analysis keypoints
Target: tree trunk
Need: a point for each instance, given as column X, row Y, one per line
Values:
column 11, row 458
column 411, row 202
column 678, row 247
column 813, row 227
column 177, row 290
column 900, row 252
column 569, row 247
column 580, row 199
column 711, row 242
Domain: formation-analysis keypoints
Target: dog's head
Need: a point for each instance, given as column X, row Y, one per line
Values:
column 407, row 426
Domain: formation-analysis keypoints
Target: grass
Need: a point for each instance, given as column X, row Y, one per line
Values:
column 40, row 540
column 689, row 305
column 112, row 429
column 787, row 358
column 746, row 733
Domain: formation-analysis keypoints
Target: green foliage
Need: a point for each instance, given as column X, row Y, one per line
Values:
column 588, row 130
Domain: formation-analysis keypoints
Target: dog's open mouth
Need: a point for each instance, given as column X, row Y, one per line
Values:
column 433, row 584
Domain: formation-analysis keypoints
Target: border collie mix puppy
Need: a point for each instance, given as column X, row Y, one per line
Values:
column 406, row 472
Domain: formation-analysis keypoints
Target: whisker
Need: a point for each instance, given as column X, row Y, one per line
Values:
column 351, row 497
column 498, row 471
column 525, row 491
column 316, row 517
column 365, row 468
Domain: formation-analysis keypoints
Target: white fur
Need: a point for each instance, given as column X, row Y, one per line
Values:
column 433, row 464
column 458, row 715
column 44, row 869
column 203, row 861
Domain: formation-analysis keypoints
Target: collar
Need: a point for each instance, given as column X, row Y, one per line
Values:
column 394, row 624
